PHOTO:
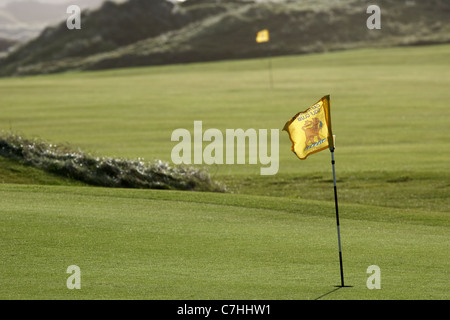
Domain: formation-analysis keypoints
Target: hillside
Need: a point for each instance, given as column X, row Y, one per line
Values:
column 141, row 32
column 23, row 20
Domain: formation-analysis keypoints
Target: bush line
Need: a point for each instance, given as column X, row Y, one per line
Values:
column 105, row 171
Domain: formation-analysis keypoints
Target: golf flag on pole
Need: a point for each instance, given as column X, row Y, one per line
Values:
column 262, row 36
column 310, row 130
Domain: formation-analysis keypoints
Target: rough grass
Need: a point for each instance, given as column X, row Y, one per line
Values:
column 104, row 171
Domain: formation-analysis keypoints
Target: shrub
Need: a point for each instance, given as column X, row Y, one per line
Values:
column 105, row 171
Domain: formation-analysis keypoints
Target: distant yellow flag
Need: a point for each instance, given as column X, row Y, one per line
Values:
column 262, row 36
column 310, row 130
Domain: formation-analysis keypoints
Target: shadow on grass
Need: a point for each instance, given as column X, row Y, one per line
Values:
column 332, row 291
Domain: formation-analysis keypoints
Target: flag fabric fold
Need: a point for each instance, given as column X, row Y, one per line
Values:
column 310, row 130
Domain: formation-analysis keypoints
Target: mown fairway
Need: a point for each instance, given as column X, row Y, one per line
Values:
column 273, row 237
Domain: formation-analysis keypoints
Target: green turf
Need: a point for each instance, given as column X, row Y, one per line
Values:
column 14, row 172
column 134, row 244
column 272, row 237
column 389, row 106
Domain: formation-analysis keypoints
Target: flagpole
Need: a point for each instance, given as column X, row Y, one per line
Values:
column 262, row 37
column 337, row 217
column 270, row 68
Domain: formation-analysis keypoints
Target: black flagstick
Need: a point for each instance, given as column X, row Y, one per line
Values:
column 337, row 215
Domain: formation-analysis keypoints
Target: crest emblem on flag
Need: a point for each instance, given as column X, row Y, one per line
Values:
column 310, row 130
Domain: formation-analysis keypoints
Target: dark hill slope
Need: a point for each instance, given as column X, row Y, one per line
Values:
column 142, row 32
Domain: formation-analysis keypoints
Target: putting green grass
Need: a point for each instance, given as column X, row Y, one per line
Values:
column 136, row 244
column 270, row 237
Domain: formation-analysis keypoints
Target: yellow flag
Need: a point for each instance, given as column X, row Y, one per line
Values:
column 262, row 36
column 310, row 130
